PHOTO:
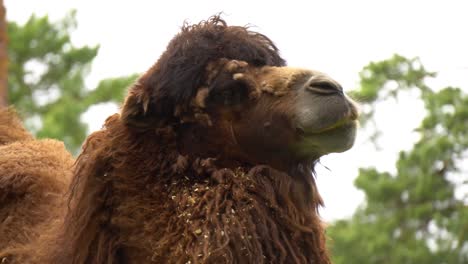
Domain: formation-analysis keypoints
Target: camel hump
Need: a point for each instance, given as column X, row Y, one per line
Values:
column 34, row 176
column 11, row 128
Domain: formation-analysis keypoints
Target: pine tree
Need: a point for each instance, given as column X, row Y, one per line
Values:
column 418, row 214
column 46, row 80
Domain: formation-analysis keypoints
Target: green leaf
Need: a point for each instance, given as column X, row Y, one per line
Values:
column 47, row 79
column 413, row 215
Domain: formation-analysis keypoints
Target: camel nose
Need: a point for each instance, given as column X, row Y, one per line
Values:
column 323, row 85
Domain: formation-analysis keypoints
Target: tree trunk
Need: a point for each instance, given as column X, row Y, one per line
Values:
column 3, row 57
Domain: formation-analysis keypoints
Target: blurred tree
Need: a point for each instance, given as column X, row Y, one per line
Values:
column 3, row 56
column 420, row 213
column 46, row 79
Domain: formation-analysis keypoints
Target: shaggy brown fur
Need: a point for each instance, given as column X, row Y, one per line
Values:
column 11, row 129
column 196, row 169
column 34, row 175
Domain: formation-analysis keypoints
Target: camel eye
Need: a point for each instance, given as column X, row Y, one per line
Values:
column 229, row 93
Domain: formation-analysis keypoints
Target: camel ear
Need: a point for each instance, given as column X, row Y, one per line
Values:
column 228, row 93
column 232, row 86
column 139, row 111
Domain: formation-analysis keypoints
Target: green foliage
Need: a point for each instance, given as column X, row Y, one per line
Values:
column 412, row 216
column 46, row 79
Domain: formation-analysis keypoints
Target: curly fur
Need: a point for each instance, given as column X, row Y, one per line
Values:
column 141, row 193
column 179, row 72
column 176, row 209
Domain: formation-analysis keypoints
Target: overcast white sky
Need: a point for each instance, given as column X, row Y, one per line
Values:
column 336, row 37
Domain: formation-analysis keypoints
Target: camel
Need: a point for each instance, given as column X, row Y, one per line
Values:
column 210, row 160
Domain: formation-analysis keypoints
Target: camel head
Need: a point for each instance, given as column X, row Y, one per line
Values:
column 228, row 94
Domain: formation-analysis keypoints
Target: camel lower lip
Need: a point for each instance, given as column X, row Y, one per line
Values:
column 330, row 140
column 339, row 125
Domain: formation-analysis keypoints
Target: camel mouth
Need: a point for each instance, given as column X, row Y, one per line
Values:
column 333, row 139
column 347, row 125
column 341, row 124
column 350, row 118
column 319, row 114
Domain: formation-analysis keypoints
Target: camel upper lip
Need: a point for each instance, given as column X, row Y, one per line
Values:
column 350, row 117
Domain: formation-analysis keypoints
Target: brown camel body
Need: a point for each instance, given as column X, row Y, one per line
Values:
column 34, row 176
column 210, row 161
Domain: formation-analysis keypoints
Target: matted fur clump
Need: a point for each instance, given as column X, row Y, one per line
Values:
column 210, row 161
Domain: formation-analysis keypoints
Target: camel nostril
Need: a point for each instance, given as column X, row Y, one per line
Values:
column 323, row 86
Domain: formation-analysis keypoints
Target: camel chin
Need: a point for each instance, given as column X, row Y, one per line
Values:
column 334, row 140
